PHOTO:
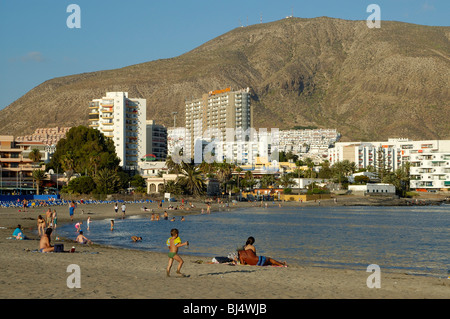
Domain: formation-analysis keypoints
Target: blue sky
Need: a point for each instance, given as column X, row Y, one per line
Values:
column 37, row 45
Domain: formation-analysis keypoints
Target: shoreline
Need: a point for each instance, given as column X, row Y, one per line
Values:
column 112, row 272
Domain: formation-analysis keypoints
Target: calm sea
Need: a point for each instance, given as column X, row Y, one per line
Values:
column 411, row 239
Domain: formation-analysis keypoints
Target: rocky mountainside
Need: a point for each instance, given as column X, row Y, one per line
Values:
column 369, row 84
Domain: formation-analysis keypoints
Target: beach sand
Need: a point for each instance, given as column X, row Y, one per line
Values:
column 109, row 273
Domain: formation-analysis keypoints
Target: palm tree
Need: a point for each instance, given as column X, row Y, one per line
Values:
column 309, row 162
column 173, row 167
column 172, row 187
column 191, row 180
column 224, row 173
column 248, row 179
column 286, row 180
column 38, row 176
column 238, row 170
column 267, row 180
column 35, row 155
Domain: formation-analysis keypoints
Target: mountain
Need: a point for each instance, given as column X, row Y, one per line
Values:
column 369, row 84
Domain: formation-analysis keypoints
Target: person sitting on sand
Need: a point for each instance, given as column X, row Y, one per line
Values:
column 135, row 238
column 44, row 243
column 248, row 256
column 18, row 234
column 81, row 239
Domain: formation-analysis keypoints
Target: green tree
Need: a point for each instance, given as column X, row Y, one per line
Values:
column 267, row 180
column 138, row 181
column 172, row 187
column 191, row 180
column 248, row 180
column 35, row 155
column 286, row 180
column 325, row 172
column 224, row 173
column 238, row 170
column 80, row 185
column 38, row 176
column 107, row 181
column 361, row 179
column 84, row 150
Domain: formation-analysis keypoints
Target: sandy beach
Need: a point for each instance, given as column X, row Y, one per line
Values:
column 112, row 273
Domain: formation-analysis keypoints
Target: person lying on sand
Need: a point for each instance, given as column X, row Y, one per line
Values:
column 248, row 256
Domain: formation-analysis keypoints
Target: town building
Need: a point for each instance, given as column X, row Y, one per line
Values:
column 307, row 142
column 211, row 115
column 429, row 159
column 156, row 141
column 372, row 189
column 16, row 168
column 123, row 120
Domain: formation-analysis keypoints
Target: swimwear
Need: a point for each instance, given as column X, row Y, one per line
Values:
column 171, row 254
column 261, row 261
column 176, row 241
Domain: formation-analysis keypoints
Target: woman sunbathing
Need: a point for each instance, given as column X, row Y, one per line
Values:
column 248, row 256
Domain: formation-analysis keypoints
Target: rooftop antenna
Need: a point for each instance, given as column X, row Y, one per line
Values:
column 260, row 17
column 240, row 23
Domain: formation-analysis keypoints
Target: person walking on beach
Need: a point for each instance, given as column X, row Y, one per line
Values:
column 41, row 225
column 48, row 217
column 116, row 208
column 123, row 210
column 174, row 243
column 54, row 219
column 71, row 210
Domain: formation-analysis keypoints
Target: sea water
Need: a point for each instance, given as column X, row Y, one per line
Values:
column 414, row 239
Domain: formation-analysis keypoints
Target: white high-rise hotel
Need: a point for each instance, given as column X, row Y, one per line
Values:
column 123, row 120
column 213, row 114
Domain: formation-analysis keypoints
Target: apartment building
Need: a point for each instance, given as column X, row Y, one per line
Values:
column 212, row 114
column 156, row 140
column 123, row 120
column 16, row 169
column 430, row 159
column 46, row 135
column 313, row 141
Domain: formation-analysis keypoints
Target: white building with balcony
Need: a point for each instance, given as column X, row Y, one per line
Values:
column 430, row 159
column 123, row 120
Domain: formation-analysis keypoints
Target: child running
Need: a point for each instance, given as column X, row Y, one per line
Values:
column 173, row 243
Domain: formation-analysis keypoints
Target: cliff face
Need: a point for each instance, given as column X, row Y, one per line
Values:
column 369, row 84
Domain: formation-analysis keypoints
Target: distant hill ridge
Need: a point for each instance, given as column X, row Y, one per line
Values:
column 369, row 84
